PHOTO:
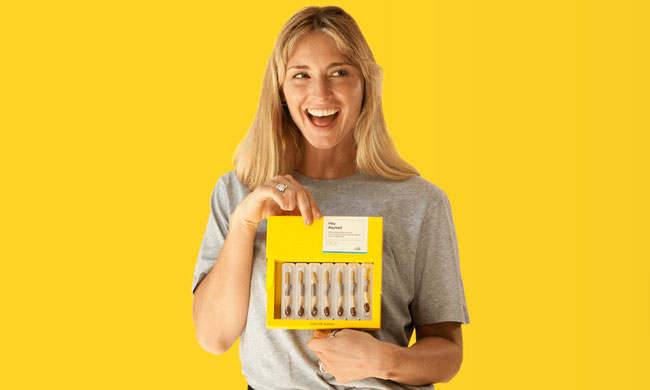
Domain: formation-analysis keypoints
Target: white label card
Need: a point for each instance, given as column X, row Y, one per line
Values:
column 345, row 234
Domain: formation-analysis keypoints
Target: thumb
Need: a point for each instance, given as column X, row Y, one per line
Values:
column 322, row 333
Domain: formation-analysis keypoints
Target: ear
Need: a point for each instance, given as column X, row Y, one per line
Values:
column 283, row 101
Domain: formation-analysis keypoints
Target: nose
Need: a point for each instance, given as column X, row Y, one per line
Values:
column 321, row 88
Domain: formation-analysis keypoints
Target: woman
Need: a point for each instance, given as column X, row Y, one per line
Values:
column 319, row 146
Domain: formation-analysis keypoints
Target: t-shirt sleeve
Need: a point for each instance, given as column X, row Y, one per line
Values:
column 215, row 233
column 439, row 292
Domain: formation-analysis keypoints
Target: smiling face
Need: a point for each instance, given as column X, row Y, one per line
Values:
column 323, row 91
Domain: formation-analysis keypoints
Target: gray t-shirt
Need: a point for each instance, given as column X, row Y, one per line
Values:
column 421, row 280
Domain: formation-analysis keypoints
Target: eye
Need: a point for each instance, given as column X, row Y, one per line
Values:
column 301, row 75
column 340, row 72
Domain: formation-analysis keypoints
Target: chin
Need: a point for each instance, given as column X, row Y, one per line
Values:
column 321, row 144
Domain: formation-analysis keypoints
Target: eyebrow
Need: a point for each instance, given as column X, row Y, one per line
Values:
column 333, row 64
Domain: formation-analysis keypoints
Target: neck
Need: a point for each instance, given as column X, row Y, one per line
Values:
column 328, row 164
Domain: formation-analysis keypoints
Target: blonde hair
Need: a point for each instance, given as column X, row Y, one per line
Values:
column 274, row 144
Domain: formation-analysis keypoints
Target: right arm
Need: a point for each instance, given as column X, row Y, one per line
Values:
column 220, row 305
column 221, row 300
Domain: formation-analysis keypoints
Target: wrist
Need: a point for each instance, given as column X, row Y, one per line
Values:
column 390, row 355
column 240, row 223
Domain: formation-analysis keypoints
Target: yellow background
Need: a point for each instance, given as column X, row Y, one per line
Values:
column 117, row 118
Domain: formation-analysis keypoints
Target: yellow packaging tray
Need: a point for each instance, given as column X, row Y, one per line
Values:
column 289, row 240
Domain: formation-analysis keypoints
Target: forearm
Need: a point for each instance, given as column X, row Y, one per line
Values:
column 220, row 303
column 430, row 360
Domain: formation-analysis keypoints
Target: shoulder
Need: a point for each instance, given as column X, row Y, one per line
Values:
column 416, row 189
column 229, row 183
column 425, row 188
column 229, row 178
column 229, row 190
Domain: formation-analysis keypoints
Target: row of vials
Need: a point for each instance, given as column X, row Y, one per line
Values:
column 332, row 291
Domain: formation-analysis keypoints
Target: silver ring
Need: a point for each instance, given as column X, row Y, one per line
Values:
column 320, row 367
column 333, row 333
column 281, row 187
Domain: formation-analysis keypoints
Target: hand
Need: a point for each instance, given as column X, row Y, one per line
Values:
column 267, row 200
column 350, row 355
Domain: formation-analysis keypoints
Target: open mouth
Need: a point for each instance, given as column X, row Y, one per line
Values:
column 322, row 118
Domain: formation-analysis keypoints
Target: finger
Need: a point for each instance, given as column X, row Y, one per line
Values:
column 269, row 190
column 302, row 197
column 306, row 202
column 305, row 207
column 322, row 333
column 314, row 207
column 289, row 193
column 315, row 345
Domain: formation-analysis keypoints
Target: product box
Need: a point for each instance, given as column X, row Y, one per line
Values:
column 326, row 275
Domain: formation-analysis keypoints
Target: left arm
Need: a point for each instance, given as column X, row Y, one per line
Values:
column 435, row 357
column 352, row 355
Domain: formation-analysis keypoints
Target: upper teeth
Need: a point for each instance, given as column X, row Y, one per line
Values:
column 322, row 112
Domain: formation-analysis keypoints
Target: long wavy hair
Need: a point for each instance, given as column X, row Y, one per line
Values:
column 274, row 144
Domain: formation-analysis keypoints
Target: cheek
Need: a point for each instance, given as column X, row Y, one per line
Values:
column 294, row 108
column 360, row 91
column 289, row 96
column 295, row 114
column 294, row 97
column 294, row 93
column 354, row 93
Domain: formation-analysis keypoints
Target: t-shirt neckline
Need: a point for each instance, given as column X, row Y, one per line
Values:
column 306, row 179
